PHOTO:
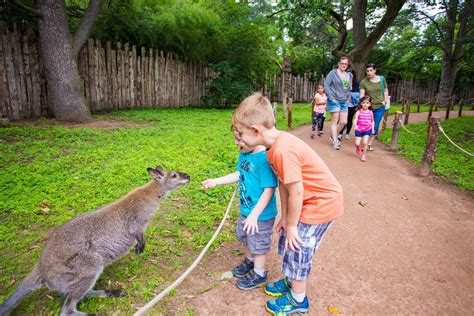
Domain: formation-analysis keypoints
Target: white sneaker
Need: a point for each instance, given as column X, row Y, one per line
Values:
column 348, row 136
column 336, row 145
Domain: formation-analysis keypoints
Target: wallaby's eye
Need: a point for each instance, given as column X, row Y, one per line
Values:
column 174, row 176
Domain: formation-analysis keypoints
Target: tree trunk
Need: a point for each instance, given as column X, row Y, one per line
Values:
column 66, row 89
column 448, row 77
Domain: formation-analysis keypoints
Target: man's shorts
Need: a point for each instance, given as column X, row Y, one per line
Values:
column 297, row 264
column 258, row 243
column 337, row 106
column 362, row 134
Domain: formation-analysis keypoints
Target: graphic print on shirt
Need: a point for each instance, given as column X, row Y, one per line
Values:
column 245, row 166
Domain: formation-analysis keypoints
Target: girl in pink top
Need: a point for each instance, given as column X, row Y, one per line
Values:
column 319, row 110
column 364, row 125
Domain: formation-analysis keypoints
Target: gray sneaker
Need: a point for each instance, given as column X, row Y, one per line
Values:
column 336, row 145
column 251, row 280
column 243, row 268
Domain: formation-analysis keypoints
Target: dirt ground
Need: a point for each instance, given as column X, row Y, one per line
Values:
column 403, row 246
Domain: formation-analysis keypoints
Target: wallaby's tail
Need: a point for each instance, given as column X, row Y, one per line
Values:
column 30, row 283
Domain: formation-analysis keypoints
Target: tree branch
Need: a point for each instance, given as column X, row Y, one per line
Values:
column 25, row 7
column 87, row 22
column 432, row 21
column 277, row 12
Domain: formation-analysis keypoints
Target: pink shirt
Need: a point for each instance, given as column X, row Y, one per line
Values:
column 364, row 120
column 320, row 103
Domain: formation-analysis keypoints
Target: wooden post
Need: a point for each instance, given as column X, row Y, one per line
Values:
column 290, row 115
column 430, row 112
column 460, row 108
column 397, row 125
column 418, row 105
column 275, row 111
column 384, row 120
column 448, row 109
column 430, row 151
column 407, row 114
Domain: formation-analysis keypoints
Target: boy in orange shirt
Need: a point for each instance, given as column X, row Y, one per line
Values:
column 310, row 195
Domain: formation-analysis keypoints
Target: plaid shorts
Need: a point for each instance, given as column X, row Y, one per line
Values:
column 297, row 264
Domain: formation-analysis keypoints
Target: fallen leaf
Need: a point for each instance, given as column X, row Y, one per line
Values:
column 333, row 310
column 50, row 297
column 404, row 197
column 12, row 282
column 186, row 233
column 363, row 203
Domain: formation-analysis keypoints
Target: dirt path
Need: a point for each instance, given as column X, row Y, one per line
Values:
column 409, row 250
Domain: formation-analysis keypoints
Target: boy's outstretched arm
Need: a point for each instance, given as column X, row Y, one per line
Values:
column 295, row 204
column 250, row 223
column 230, row 178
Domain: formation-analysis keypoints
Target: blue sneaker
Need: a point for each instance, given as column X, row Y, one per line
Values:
column 251, row 280
column 243, row 268
column 287, row 305
column 278, row 288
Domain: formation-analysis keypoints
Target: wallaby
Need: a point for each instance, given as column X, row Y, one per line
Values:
column 76, row 253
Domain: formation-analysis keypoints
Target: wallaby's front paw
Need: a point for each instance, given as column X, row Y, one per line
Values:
column 139, row 248
column 115, row 293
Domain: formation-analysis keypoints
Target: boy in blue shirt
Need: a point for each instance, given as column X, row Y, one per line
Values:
column 258, row 210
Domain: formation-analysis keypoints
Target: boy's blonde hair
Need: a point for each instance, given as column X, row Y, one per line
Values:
column 253, row 110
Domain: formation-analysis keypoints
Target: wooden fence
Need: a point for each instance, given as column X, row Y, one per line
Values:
column 113, row 78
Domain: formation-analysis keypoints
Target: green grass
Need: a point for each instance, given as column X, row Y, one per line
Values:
column 51, row 173
column 451, row 164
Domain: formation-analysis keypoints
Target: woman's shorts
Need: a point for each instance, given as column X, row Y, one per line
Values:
column 258, row 243
column 337, row 106
column 297, row 264
column 362, row 134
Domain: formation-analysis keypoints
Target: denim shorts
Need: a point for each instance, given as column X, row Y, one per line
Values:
column 258, row 243
column 297, row 264
column 337, row 106
column 362, row 134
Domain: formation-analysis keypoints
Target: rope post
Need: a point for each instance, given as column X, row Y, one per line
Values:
column 397, row 125
column 448, row 109
column 275, row 111
column 290, row 114
column 418, row 105
column 460, row 108
column 430, row 151
column 384, row 121
column 407, row 114
column 430, row 112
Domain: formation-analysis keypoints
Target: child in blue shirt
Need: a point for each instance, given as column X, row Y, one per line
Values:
column 258, row 210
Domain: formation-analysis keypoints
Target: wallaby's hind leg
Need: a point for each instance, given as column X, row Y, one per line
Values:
column 87, row 268
column 29, row 284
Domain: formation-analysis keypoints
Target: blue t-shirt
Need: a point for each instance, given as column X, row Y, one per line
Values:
column 255, row 176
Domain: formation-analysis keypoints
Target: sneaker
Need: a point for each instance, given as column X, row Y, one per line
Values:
column 358, row 149
column 339, row 137
column 251, row 280
column 370, row 148
column 312, row 136
column 243, row 268
column 336, row 145
column 348, row 136
column 320, row 133
column 278, row 288
column 287, row 305
column 363, row 158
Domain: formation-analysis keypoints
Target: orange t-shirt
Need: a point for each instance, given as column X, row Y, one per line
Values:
column 293, row 160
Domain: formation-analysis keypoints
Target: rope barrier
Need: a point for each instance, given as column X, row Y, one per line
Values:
column 455, row 145
column 408, row 131
column 178, row 281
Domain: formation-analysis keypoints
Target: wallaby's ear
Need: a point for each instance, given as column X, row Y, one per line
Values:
column 156, row 174
column 159, row 168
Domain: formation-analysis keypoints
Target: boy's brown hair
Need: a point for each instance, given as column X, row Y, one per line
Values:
column 255, row 109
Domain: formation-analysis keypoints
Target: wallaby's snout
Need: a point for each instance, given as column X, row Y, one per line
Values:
column 171, row 179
